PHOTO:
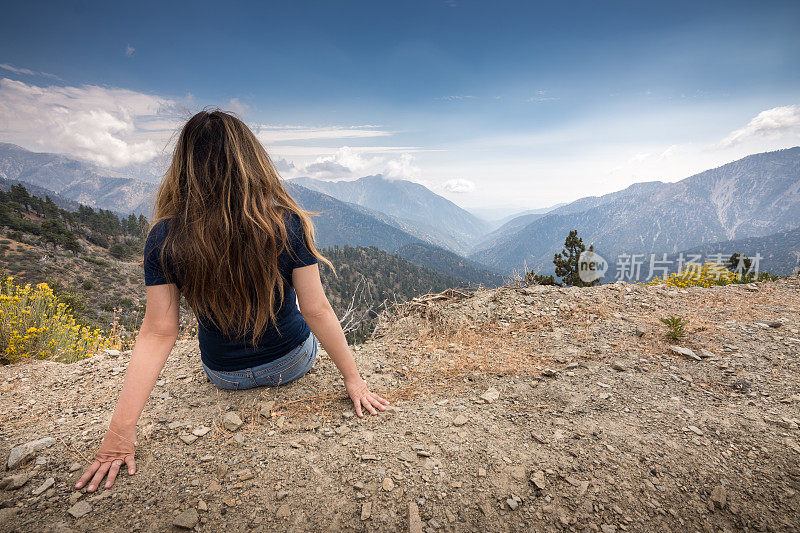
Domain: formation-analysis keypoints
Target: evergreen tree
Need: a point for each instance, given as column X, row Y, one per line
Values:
column 739, row 262
column 566, row 261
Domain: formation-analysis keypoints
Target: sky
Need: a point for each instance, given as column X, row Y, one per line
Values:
column 498, row 106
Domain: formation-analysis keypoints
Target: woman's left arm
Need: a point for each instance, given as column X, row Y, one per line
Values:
column 154, row 342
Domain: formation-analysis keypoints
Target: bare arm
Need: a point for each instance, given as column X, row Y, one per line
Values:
column 154, row 342
column 321, row 318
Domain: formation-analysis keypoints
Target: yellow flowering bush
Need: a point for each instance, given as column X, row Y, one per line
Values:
column 695, row 275
column 35, row 324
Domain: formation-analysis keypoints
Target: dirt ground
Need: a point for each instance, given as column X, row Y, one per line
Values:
column 541, row 408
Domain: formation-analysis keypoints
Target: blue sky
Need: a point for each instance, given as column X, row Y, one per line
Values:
column 492, row 104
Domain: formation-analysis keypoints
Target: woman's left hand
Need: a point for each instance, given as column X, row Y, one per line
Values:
column 360, row 394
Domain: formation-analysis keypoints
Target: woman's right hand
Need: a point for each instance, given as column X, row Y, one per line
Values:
column 359, row 392
column 115, row 451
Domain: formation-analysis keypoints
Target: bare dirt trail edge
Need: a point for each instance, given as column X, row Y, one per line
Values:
column 541, row 408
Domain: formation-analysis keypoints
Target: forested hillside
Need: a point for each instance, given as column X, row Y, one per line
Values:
column 92, row 259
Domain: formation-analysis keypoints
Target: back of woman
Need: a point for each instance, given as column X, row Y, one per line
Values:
column 230, row 240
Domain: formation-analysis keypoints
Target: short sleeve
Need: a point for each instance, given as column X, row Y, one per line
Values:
column 302, row 255
column 153, row 272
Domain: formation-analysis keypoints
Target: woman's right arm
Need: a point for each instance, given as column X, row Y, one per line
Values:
column 322, row 320
column 154, row 342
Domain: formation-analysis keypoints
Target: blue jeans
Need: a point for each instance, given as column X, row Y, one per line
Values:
column 286, row 368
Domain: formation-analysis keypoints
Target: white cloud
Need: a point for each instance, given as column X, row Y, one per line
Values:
column 775, row 122
column 108, row 126
column 352, row 163
column 542, row 96
column 455, row 97
column 129, row 51
column 269, row 134
column 310, row 151
column 237, row 106
column 26, row 71
column 458, row 185
column 669, row 152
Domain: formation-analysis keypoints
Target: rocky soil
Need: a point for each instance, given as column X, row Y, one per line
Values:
column 541, row 408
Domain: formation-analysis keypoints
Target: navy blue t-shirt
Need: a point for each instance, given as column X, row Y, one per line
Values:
column 222, row 352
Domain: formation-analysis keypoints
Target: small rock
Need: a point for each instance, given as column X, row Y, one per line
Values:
column 481, row 472
column 49, row 482
column 366, row 510
column 538, row 438
column 245, row 475
column 14, row 482
column 231, row 421
column 490, row 395
column 79, row 510
column 512, row 504
column 392, row 410
column 685, row 352
column 187, row 519
column 200, row 431
column 460, row 420
column 619, row 367
column 281, row 494
column 202, row 505
column 719, row 496
column 549, row 373
column 537, row 478
column 266, row 408
column 283, row 512
column 24, row 452
column 406, row 456
column 188, row 439
column 705, row 354
column 388, row 484
column 608, row 528
column 75, row 466
column 414, row 520
column 696, row 430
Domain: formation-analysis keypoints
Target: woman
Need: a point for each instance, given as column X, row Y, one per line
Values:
column 230, row 240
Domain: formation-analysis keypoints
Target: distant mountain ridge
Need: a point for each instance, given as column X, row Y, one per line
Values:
column 753, row 197
column 414, row 208
column 344, row 224
column 76, row 180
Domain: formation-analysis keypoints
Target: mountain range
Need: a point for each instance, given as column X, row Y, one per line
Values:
column 756, row 196
column 76, row 180
column 754, row 201
column 412, row 207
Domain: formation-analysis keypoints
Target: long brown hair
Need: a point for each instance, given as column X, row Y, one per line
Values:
column 226, row 205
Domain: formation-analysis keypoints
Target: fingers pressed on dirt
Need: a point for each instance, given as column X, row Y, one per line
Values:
column 368, row 405
column 112, row 475
column 88, row 474
column 131, row 462
column 377, row 401
column 98, row 476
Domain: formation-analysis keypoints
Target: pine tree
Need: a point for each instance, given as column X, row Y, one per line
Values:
column 566, row 261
